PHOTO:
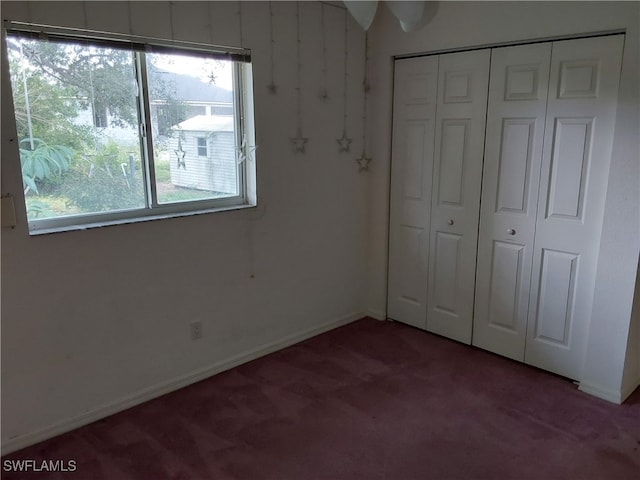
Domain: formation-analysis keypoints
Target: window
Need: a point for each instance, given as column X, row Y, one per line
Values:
column 202, row 146
column 158, row 150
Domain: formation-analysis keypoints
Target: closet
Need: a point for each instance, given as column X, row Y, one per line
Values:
column 439, row 118
column 500, row 161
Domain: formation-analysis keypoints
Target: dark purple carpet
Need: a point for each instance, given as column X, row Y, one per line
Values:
column 372, row 400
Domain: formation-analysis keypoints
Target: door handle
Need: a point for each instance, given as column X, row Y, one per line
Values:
column 511, row 231
column 450, row 222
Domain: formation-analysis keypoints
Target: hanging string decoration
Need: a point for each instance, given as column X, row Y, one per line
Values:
column 171, row 21
column 180, row 152
column 212, row 75
column 364, row 161
column 210, row 8
column 130, row 17
column 244, row 151
column 94, row 109
column 84, row 15
column 240, row 24
column 299, row 142
column 344, row 142
column 324, row 94
column 272, row 87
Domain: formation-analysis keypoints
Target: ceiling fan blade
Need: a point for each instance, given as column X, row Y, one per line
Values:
column 362, row 11
column 412, row 14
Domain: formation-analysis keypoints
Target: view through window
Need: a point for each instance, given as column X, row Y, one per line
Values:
column 107, row 132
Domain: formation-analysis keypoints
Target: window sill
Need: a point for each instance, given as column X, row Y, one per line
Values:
column 137, row 219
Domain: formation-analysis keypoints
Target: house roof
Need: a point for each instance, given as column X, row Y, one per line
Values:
column 192, row 89
column 207, row 123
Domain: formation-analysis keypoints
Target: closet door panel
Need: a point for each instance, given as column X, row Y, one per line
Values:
column 556, row 297
column 505, row 286
column 459, row 139
column 513, row 152
column 575, row 166
column 518, row 136
column 411, row 170
column 569, row 159
column 447, row 263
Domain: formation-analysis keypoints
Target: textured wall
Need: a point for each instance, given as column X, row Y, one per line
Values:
column 91, row 319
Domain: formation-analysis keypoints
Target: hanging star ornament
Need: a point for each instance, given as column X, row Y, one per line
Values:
column 180, row 155
column 363, row 162
column 344, row 143
column 273, row 88
column 299, row 142
column 245, row 152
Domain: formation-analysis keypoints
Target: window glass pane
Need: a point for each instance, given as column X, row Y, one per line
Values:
column 202, row 147
column 77, row 118
column 194, row 132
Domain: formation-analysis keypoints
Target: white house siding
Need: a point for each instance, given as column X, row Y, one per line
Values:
column 224, row 162
column 125, row 136
column 215, row 172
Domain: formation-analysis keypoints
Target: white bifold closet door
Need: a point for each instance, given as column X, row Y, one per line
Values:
column 543, row 199
column 414, row 111
column 575, row 169
column 438, row 137
column 459, row 145
column 513, row 153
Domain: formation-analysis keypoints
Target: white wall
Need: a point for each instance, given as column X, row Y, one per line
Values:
column 465, row 24
column 631, row 376
column 95, row 320
column 612, row 327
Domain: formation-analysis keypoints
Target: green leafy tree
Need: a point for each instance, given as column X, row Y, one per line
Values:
column 48, row 107
column 53, row 83
column 43, row 111
column 55, row 86
column 42, row 161
column 103, row 182
column 95, row 78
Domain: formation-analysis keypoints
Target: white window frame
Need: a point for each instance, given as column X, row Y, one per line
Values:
column 243, row 118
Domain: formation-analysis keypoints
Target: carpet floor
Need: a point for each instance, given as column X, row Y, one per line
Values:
column 371, row 400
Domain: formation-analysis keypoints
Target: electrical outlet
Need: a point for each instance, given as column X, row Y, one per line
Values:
column 196, row 330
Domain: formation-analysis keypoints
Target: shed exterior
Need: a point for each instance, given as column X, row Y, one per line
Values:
column 203, row 154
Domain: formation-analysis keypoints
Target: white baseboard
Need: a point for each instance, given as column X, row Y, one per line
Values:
column 141, row 396
column 614, row 396
column 377, row 314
